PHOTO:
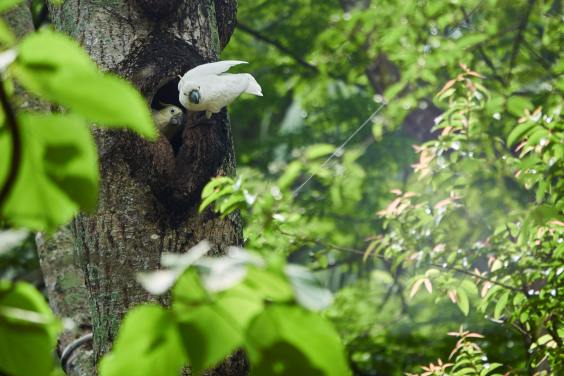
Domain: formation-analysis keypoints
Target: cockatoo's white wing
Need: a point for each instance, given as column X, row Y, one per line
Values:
column 223, row 89
column 210, row 69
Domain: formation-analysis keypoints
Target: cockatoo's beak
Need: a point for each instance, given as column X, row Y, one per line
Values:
column 194, row 97
column 177, row 120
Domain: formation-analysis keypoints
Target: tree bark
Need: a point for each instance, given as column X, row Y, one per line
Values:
column 150, row 192
column 68, row 297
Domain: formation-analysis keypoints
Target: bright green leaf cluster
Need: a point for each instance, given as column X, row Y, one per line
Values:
column 254, row 304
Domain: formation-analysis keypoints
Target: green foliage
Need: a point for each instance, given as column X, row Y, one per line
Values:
column 28, row 330
column 58, row 174
column 70, row 78
column 158, row 351
column 223, row 304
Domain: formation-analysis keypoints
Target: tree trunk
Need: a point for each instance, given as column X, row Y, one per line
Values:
column 150, row 192
column 68, row 298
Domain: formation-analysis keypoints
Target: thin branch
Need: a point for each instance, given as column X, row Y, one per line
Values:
column 16, row 146
column 274, row 42
column 486, row 59
column 519, row 38
column 436, row 265
column 465, row 19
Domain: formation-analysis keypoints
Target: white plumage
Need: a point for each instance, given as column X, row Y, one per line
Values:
column 208, row 88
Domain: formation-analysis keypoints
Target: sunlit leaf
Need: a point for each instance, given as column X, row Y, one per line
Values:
column 288, row 340
column 28, row 330
column 58, row 174
column 69, row 77
column 158, row 351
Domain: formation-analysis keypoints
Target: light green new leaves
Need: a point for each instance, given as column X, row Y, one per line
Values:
column 500, row 305
column 288, row 340
column 69, row 77
column 320, row 150
column 58, row 173
column 28, row 331
column 148, row 344
column 290, row 174
column 462, row 301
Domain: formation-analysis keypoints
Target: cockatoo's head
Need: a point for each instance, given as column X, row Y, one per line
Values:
column 190, row 93
column 169, row 115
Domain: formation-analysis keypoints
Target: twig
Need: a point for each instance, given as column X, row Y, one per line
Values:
column 16, row 146
column 486, row 59
column 519, row 38
column 274, row 42
column 436, row 265
column 465, row 19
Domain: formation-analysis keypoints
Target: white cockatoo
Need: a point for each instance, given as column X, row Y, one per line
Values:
column 208, row 88
column 168, row 120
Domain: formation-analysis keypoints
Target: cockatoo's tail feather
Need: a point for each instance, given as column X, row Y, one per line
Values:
column 253, row 88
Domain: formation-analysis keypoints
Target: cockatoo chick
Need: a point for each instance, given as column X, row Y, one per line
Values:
column 168, row 120
column 208, row 88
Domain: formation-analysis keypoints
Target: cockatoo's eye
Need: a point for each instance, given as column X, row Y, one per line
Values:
column 198, row 87
column 172, row 111
column 194, row 97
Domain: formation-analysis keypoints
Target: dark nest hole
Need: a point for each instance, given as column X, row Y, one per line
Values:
column 168, row 94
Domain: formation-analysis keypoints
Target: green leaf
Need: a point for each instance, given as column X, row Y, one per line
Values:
column 69, row 77
column 214, row 329
column 188, row 288
column 7, row 37
column 516, row 105
column 447, row 93
column 464, row 371
column 319, row 150
column 214, row 196
column 148, row 343
column 6, row 5
column 28, row 330
column 235, row 198
column 518, row 132
column 58, row 174
column 518, row 298
column 500, row 305
column 270, row 283
column 288, row 340
column 462, row 301
column 215, row 182
column 290, row 174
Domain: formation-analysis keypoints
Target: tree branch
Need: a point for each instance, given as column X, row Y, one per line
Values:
column 16, row 146
column 486, row 59
column 519, row 38
column 436, row 265
column 274, row 42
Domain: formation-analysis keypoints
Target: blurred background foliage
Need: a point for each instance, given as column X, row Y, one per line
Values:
column 325, row 67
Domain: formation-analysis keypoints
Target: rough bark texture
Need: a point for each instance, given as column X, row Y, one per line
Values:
column 68, row 296
column 150, row 193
